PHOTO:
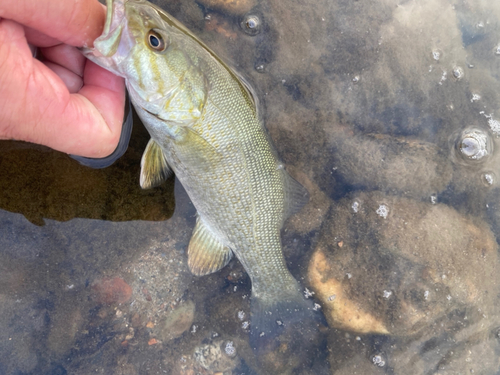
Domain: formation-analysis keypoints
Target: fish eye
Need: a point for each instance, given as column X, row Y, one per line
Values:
column 156, row 41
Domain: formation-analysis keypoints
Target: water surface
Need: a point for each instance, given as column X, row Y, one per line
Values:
column 386, row 111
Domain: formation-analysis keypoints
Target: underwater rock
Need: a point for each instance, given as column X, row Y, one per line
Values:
column 178, row 321
column 380, row 162
column 234, row 7
column 216, row 356
column 461, row 348
column 65, row 322
column 360, row 365
column 111, row 290
column 392, row 265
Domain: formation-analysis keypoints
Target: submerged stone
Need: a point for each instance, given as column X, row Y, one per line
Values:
column 398, row 275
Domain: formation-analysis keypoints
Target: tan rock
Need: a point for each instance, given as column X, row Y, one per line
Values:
column 340, row 311
column 177, row 322
column 403, row 264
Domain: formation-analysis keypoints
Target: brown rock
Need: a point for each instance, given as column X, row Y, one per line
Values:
column 403, row 264
column 410, row 166
column 177, row 322
column 109, row 291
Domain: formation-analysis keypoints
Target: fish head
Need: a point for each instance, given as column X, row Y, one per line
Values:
column 150, row 49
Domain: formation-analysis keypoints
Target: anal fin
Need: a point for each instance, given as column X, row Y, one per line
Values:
column 206, row 254
column 154, row 166
column 296, row 196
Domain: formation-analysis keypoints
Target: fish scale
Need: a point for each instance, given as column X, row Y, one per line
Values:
column 204, row 126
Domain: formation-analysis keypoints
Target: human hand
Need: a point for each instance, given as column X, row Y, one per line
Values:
column 65, row 102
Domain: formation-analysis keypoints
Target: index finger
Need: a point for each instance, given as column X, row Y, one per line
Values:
column 75, row 22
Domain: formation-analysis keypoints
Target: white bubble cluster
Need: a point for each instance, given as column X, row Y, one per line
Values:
column 241, row 315
column 494, row 126
column 378, row 360
column 387, row 294
column 229, row 349
column 308, row 293
column 436, row 54
column 488, row 178
column 475, row 98
column 383, row 211
column 355, row 207
column 458, row 72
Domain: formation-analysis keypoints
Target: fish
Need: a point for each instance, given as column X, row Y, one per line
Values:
column 205, row 127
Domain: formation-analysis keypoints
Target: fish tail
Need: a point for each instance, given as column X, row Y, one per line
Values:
column 275, row 317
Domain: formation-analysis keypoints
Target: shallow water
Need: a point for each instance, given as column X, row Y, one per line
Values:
column 388, row 112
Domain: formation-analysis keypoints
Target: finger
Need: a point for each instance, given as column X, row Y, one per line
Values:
column 77, row 23
column 39, row 39
column 36, row 106
column 66, row 56
column 87, row 123
column 72, row 81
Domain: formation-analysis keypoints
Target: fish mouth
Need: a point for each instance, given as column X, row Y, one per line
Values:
column 115, row 42
column 107, row 44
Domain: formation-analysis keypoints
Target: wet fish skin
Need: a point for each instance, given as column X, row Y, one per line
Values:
column 204, row 126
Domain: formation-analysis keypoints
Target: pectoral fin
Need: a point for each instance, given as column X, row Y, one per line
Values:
column 154, row 166
column 206, row 254
column 195, row 151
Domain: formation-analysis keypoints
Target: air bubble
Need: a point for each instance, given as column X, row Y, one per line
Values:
column 229, row 349
column 475, row 98
column 251, row 24
column 378, row 360
column 497, row 50
column 488, row 179
column 356, row 79
column 355, row 207
column 474, row 145
column 436, row 54
column 383, row 211
column 241, row 315
column 259, row 68
column 458, row 72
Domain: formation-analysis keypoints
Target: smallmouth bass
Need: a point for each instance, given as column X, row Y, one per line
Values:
column 204, row 127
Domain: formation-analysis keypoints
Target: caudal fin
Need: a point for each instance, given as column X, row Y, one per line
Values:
column 275, row 318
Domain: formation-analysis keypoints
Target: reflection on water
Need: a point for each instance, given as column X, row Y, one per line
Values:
column 387, row 111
